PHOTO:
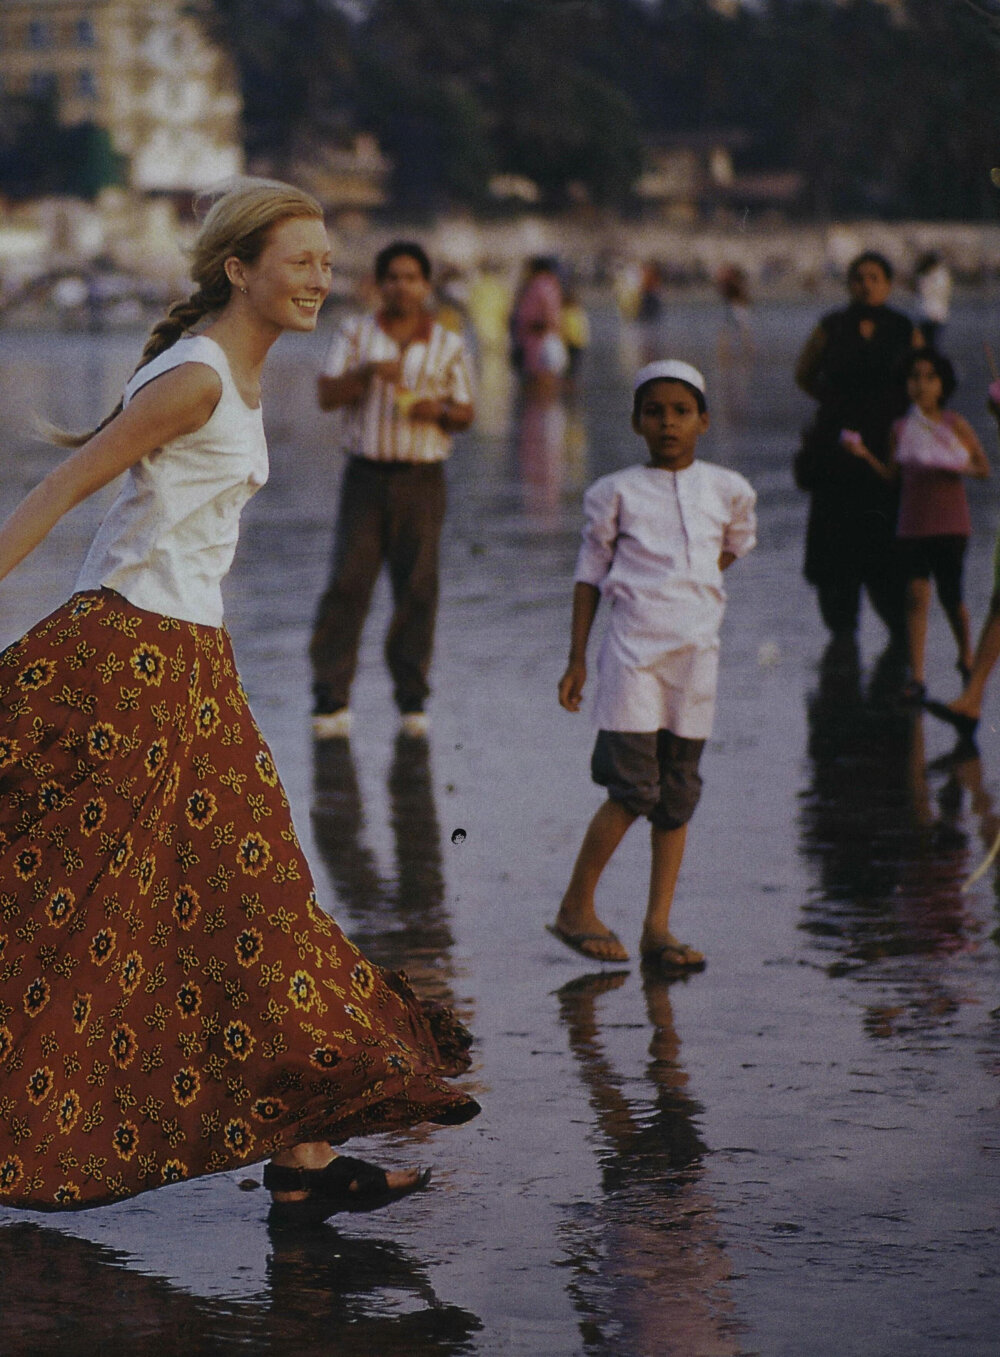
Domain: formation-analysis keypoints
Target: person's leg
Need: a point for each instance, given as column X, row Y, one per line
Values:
column 949, row 560
column 416, row 516
column 668, row 853
column 918, row 600
column 839, row 598
column 970, row 703
column 577, row 916
column 625, row 763
column 357, row 559
column 680, row 791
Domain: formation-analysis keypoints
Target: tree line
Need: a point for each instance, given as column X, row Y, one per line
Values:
column 878, row 117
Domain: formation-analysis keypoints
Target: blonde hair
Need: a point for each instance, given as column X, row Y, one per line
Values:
column 236, row 225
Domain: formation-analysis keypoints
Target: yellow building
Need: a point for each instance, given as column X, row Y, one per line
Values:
column 143, row 70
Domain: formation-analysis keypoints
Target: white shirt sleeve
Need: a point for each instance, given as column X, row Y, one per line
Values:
column 740, row 536
column 600, row 532
column 343, row 351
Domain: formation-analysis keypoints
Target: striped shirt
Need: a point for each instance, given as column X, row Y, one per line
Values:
column 435, row 367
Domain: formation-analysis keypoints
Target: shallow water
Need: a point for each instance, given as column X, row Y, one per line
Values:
column 797, row 1151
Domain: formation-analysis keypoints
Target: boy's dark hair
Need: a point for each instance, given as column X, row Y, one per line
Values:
column 400, row 249
column 637, row 399
column 870, row 257
column 941, row 365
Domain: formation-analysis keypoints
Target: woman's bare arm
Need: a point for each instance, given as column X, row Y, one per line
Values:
column 178, row 402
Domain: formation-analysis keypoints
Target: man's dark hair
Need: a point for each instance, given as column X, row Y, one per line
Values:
column 870, row 257
column 400, row 249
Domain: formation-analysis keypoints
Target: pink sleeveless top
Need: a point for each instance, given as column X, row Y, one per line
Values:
column 932, row 502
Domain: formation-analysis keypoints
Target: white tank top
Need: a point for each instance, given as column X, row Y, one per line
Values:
column 169, row 539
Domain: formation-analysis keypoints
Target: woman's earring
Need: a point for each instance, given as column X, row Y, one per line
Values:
column 244, row 291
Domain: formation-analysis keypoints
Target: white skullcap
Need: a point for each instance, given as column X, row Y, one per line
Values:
column 669, row 369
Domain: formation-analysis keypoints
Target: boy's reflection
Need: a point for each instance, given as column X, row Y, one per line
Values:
column 660, row 1281
column 401, row 922
column 887, row 840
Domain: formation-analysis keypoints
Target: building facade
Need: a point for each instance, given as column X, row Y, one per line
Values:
column 144, row 70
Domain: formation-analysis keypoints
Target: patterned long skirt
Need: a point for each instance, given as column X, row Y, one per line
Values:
column 173, row 1001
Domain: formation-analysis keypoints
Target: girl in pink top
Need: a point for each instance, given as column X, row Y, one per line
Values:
column 931, row 450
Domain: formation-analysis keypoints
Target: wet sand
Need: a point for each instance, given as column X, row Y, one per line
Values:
column 797, row 1151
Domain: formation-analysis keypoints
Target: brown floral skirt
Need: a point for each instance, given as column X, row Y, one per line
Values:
column 173, row 1001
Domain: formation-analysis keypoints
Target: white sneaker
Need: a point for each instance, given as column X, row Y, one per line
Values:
column 334, row 725
column 415, row 724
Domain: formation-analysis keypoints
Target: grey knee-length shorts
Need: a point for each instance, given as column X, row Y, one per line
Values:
column 651, row 773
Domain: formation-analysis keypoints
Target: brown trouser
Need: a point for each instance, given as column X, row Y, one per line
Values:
column 392, row 513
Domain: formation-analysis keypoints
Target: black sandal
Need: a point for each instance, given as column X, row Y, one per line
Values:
column 345, row 1184
column 965, row 725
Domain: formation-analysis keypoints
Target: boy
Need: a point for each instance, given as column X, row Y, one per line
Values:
column 656, row 541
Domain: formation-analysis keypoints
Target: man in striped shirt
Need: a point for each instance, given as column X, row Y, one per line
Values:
column 402, row 385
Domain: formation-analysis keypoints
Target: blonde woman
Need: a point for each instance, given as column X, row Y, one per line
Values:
column 173, row 1001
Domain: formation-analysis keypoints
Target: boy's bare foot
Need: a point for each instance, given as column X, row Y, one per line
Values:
column 590, row 938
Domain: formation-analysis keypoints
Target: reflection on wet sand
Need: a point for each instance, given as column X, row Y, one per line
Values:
column 883, row 828
column 69, row 1295
column 649, row 1267
column 400, row 922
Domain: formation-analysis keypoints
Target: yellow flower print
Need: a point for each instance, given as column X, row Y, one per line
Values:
column 6, row 1043
column 103, row 740
column 40, row 1084
column 173, row 1171
column 186, row 906
column 268, row 1109
column 170, row 784
column 66, row 1193
column 9, row 751
column 125, row 1140
column 36, row 996
column 155, row 755
column 36, row 675
column 148, row 663
column 68, row 1111
column 131, row 972
column 238, row 1039
column 362, row 979
column 93, row 815
column 80, row 1012
column 11, row 1173
column 254, row 854
column 238, row 1136
column 52, row 796
column 188, row 999
column 358, row 1014
column 124, row 1046
column 266, row 770
column 120, row 857
column 102, row 945
column 325, row 1057
column 302, row 990
column 200, row 808
column 249, row 946
column 27, row 862
column 186, row 1085
column 207, row 717
column 61, row 907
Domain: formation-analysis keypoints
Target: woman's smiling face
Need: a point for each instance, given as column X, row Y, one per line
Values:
column 289, row 281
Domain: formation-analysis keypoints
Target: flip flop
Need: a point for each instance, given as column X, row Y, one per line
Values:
column 583, row 943
column 673, row 958
column 345, row 1184
column 965, row 725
